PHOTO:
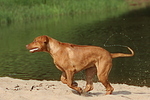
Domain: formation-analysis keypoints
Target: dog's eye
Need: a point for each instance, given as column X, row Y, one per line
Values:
column 45, row 42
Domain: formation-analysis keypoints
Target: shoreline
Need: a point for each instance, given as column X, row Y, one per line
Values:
column 17, row 89
column 26, row 11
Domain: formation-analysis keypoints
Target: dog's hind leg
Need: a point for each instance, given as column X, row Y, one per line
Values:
column 90, row 72
column 103, row 69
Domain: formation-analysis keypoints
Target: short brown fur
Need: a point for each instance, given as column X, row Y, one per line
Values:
column 71, row 58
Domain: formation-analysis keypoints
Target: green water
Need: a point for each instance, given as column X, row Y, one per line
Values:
column 131, row 29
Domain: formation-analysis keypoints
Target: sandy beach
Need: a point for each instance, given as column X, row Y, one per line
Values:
column 17, row 89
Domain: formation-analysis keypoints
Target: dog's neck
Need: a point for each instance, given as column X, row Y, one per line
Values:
column 53, row 46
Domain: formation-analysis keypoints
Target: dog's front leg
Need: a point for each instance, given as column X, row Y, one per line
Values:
column 63, row 78
column 70, row 82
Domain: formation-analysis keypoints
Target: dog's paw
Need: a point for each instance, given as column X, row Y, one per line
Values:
column 75, row 84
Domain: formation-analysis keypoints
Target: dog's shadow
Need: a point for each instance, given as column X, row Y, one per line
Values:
column 91, row 94
column 121, row 92
column 87, row 94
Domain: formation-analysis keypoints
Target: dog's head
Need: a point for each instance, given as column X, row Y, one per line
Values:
column 39, row 44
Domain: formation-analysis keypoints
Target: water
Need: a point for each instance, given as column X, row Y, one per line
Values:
column 131, row 29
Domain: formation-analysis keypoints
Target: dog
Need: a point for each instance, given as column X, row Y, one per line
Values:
column 71, row 58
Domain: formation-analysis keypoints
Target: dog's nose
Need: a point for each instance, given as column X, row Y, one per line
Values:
column 26, row 46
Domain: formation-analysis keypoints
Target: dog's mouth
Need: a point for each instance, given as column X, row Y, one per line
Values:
column 34, row 50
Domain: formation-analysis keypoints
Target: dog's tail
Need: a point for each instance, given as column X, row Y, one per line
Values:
column 115, row 55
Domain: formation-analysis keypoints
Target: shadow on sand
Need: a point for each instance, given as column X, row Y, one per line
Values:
column 91, row 94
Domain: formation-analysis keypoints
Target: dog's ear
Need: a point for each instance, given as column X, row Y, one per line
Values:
column 45, row 39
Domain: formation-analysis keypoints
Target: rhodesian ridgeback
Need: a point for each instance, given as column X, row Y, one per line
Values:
column 70, row 59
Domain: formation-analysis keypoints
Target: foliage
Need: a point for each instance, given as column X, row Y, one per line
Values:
column 27, row 10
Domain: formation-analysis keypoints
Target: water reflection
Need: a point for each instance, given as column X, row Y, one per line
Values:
column 130, row 29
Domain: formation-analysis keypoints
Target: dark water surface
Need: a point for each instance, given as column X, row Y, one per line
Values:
column 131, row 29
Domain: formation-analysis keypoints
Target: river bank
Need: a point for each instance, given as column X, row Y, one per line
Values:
column 16, row 89
column 12, row 11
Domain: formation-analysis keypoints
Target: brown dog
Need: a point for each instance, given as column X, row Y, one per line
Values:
column 71, row 58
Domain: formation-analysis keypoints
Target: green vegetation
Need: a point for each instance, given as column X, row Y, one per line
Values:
column 28, row 10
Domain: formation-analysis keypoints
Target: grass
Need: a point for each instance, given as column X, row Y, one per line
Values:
column 26, row 10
